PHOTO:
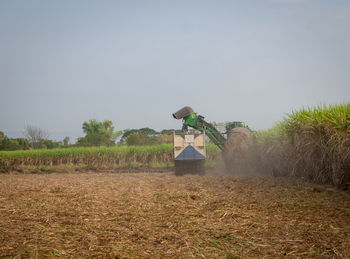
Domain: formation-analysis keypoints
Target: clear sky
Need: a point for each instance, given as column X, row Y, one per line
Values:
column 136, row 62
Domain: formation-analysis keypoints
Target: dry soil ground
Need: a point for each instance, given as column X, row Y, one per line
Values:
column 158, row 215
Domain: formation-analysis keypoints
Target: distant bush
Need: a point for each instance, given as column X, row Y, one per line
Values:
column 13, row 143
column 146, row 136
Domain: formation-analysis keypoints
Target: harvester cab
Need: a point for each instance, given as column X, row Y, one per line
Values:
column 230, row 126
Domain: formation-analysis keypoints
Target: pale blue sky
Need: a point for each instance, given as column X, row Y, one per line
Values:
column 136, row 62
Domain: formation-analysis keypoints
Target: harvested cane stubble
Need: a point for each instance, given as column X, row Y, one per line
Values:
column 158, row 215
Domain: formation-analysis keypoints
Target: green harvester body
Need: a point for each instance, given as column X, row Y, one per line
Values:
column 193, row 120
column 186, row 161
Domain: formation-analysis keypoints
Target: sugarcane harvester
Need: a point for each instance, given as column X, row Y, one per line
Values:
column 189, row 145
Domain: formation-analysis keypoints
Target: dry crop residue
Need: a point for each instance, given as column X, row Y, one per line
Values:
column 158, row 215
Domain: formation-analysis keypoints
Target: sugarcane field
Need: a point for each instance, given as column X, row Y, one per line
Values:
column 174, row 129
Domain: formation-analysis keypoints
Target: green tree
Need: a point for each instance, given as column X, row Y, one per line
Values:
column 97, row 133
column 66, row 141
column 50, row 144
column 2, row 135
column 13, row 143
column 167, row 131
column 138, row 139
column 2, row 139
column 143, row 134
column 148, row 131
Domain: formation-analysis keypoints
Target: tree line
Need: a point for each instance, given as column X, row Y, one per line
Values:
column 96, row 134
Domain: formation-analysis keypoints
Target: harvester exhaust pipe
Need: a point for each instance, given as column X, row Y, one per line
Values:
column 183, row 112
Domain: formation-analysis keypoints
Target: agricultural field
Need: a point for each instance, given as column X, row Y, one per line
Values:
column 80, row 203
column 158, row 215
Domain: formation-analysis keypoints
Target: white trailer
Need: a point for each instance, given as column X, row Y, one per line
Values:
column 189, row 151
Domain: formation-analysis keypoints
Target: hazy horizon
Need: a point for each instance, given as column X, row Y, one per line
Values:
column 137, row 62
